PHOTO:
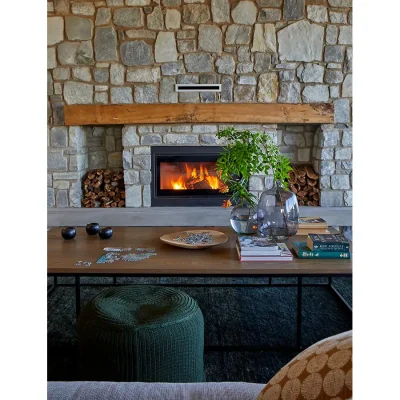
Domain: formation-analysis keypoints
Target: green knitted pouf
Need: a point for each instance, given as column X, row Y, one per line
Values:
column 141, row 333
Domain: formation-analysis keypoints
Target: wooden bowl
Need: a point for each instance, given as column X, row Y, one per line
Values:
column 218, row 238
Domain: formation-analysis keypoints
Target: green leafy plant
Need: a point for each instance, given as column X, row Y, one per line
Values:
column 246, row 154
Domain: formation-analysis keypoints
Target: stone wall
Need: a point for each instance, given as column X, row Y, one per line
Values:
column 134, row 51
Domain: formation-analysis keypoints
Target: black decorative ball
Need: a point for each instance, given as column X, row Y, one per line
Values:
column 92, row 228
column 105, row 232
column 68, row 232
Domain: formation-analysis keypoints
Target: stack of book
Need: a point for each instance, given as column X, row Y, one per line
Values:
column 309, row 225
column 261, row 249
column 323, row 246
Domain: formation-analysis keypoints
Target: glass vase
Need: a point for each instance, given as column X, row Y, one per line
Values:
column 243, row 219
column 277, row 213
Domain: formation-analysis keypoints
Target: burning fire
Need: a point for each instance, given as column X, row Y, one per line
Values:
column 193, row 176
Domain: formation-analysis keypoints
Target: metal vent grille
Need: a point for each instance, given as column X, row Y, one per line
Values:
column 197, row 87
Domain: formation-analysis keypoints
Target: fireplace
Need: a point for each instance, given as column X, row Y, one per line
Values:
column 185, row 176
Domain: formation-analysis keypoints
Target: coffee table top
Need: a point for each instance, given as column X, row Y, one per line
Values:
column 170, row 260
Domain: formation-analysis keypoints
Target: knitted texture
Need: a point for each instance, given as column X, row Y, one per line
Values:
column 141, row 333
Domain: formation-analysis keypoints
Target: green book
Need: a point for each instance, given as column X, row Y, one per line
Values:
column 302, row 251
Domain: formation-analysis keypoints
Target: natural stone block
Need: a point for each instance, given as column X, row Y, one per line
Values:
column 332, row 76
column 75, row 194
column 244, row 94
column 97, row 159
column 301, row 41
column 128, row 17
column 331, row 34
column 59, row 136
column 51, row 58
column 334, row 92
column 269, row 15
column 189, row 97
column 143, row 75
column 337, row 17
column 133, row 196
column 316, row 94
column 82, row 73
column 61, row 185
column 340, row 182
column 117, row 72
column 347, row 87
column 225, row 64
column 268, row 88
column 58, row 113
column 220, row 10
column 78, row 93
column 165, row 47
column 129, row 136
column 171, row 3
column 62, row 199
column 325, row 182
column 145, row 177
column 140, row 34
column 131, row 176
column 172, row 19
column 226, row 89
column 60, row 74
column 178, row 138
column 137, row 2
column 114, row 159
column 347, row 137
column 49, row 84
column 348, row 62
column 56, row 161
column 293, row 9
column 100, row 75
column 78, row 28
column 262, row 62
column 146, row 196
column 243, row 53
column 136, row 52
column 289, row 92
column 340, row 3
column 244, row 13
column 205, row 128
column 103, row 16
column 244, row 68
column 310, row 73
column 343, row 153
column 211, row 139
column 61, row 6
column 294, row 139
column 259, row 43
column 146, row 94
column 127, row 159
column 83, row 8
column 286, row 76
column 186, row 34
column 269, row 3
column 101, row 98
column 121, row 95
column 317, row 13
column 150, row 139
column 270, row 37
column 167, row 91
column 101, row 88
column 105, row 44
column 113, row 3
column 303, row 155
column 325, row 153
column 155, row 20
column 327, row 168
column 246, row 80
column 345, row 35
column 55, row 30
column 196, row 13
column 172, row 68
column 334, row 54
column 199, row 62
column 331, row 198
column 342, row 111
column 210, row 38
column 348, row 198
column 237, row 34
column 186, row 46
column 329, row 138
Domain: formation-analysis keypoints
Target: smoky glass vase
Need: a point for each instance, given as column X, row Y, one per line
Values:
column 277, row 213
column 243, row 219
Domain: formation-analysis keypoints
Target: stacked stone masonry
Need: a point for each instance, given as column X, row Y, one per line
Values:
column 134, row 51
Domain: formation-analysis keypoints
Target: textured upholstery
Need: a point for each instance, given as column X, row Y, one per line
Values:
column 321, row 372
column 141, row 333
column 152, row 391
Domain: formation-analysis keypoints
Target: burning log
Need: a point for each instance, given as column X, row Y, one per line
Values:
column 103, row 188
column 303, row 182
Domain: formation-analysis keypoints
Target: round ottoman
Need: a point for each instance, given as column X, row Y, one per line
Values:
column 141, row 333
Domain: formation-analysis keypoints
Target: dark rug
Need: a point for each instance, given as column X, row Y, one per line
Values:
column 233, row 316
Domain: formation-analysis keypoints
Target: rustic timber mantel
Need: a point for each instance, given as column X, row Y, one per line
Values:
column 119, row 114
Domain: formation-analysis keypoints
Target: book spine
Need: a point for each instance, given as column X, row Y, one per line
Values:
column 322, row 254
column 343, row 247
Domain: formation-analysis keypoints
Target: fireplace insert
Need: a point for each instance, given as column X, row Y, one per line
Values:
column 185, row 176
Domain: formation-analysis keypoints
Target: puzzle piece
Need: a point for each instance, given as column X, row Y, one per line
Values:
column 83, row 263
column 112, row 249
column 108, row 258
column 137, row 257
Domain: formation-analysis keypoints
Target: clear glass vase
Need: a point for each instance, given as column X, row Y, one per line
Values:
column 277, row 213
column 243, row 219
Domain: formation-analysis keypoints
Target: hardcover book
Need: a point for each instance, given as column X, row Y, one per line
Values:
column 327, row 242
column 302, row 251
column 285, row 255
column 312, row 222
column 259, row 244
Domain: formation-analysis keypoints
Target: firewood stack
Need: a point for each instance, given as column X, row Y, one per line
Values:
column 103, row 188
column 304, row 182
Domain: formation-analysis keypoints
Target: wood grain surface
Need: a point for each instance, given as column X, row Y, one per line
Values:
column 222, row 259
column 115, row 114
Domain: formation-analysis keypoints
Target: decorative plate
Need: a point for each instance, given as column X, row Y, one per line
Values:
column 195, row 239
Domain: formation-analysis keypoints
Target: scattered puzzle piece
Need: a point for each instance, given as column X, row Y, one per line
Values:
column 108, row 258
column 146, row 250
column 83, row 263
column 137, row 257
column 117, row 249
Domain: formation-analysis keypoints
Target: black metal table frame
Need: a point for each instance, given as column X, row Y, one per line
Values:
column 299, row 298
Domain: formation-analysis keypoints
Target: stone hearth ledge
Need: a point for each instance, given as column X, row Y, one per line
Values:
column 175, row 216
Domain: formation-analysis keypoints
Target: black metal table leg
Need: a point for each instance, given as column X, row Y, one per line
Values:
column 77, row 294
column 299, row 311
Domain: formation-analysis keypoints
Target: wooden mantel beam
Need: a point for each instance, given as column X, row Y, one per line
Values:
column 119, row 114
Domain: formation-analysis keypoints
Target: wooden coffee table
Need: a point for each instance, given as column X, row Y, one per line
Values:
column 218, row 261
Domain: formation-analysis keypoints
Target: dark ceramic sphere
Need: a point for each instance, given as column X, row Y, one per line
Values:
column 105, row 232
column 92, row 228
column 68, row 232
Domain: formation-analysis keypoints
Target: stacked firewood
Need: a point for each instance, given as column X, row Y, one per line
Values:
column 103, row 188
column 303, row 181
